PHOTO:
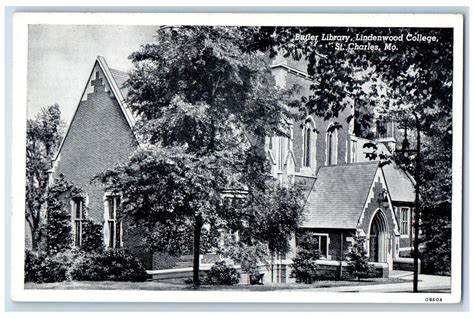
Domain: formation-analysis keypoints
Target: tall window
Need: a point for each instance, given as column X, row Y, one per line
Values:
column 353, row 150
column 331, row 146
column 281, row 153
column 114, row 226
column 385, row 129
column 404, row 218
column 77, row 216
column 307, row 147
column 309, row 143
column 322, row 240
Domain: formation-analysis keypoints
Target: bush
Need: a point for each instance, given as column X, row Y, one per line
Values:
column 42, row 268
column 221, row 274
column 357, row 260
column 114, row 265
column 304, row 267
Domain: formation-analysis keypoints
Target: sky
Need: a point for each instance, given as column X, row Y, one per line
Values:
column 61, row 57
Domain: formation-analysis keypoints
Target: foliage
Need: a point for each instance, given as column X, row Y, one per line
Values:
column 113, row 265
column 221, row 274
column 304, row 267
column 436, row 230
column 92, row 239
column 357, row 260
column 164, row 260
column 249, row 256
column 43, row 136
column 58, row 226
column 204, row 106
column 44, row 268
column 173, row 238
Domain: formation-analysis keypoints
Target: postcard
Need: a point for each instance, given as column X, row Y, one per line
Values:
column 312, row 158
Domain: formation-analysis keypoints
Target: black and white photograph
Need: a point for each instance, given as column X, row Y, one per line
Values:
column 307, row 158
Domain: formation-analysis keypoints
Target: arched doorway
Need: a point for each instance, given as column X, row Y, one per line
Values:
column 378, row 238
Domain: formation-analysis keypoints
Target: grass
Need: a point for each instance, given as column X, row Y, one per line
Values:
column 151, row 285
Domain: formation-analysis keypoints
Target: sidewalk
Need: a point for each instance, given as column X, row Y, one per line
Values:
column 426, row 283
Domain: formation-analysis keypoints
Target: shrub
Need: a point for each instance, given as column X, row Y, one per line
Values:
column 32, row 266
column 114, row 265
column 221, row 274
column 43, row 268
column 304, row 267
column 357, row 261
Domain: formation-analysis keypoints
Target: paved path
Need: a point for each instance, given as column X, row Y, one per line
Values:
column 426, row 283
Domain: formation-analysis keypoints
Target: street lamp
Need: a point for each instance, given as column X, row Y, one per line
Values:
column 405, row 150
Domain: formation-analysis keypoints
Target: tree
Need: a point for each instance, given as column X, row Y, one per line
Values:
column 58, row 218
column 357, row 260
column 204, row 107
column 304, row 266
column 43, row 136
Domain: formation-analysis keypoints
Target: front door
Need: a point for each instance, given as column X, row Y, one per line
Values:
column 378, row 247
column 374, row 249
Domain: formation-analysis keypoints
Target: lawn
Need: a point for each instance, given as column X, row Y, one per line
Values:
column 163, row 286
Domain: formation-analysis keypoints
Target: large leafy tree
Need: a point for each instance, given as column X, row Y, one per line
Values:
column 43, row 136
column 204, row 104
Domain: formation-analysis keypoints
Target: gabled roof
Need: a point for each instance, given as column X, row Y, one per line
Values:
column 120, row 78
column 400, row 185
column 339, row 194
column 115, row 79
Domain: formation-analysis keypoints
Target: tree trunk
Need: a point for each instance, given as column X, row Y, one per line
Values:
column 197, row 244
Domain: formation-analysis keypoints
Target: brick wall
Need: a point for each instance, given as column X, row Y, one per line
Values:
column 99, row 138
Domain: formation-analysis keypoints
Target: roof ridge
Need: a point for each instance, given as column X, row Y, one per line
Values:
column 359, row 163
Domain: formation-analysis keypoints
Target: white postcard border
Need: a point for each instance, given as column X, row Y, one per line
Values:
column 20, row 45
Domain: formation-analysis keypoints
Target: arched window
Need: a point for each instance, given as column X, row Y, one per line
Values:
column 307, row 147
column 309, row 143
column 331, row 145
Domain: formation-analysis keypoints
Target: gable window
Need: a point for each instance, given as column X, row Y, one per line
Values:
column 404, row 219
column 77, row 212
column 114, row 226
column 322, row 240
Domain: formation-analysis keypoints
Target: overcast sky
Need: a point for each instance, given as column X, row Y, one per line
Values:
column 61, row 57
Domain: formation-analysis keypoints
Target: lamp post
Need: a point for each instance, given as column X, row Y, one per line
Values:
column 406, row 151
